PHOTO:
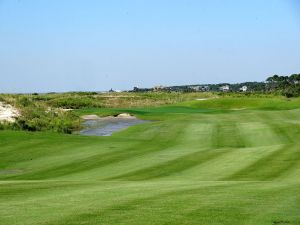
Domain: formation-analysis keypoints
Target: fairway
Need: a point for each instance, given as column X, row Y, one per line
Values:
column 216, row 162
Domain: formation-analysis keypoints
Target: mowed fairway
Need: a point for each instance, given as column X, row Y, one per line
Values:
column 215, row 162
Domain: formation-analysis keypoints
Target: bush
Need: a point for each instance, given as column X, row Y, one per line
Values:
column 4, row 125
column 39, row 119
column 24, row 101
column 292, row 92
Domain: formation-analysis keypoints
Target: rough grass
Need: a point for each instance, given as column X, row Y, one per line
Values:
column 79, row 100
column 193, row 165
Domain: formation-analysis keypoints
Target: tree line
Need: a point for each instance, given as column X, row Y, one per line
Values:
column 286, row 85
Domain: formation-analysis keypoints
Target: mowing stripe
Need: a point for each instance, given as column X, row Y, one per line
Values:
column 174, row 166
column 271, row 166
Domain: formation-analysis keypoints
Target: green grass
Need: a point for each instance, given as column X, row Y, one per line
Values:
column 239, row 102
column 199, row 162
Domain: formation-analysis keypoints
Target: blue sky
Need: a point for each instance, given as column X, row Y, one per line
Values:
column 68, row 45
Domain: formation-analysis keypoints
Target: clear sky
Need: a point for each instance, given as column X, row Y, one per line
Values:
column 72, row 45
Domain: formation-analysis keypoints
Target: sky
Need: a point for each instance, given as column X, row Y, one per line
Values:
column 95, row 45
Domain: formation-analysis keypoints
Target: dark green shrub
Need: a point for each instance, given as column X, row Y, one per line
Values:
column 292, row 92
column 24, row 101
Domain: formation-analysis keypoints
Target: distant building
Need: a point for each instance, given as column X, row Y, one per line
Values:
column 196, row 88
column 158, row 88
column 224, row 88
column 205, row 88
column 243, row 89
column 200, row 88
column 117, row 91
column 137, row 89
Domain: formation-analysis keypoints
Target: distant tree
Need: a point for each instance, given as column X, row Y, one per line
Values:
column 295, row 78
column 287, row 85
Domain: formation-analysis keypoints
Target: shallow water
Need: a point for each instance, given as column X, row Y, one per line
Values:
column 106, row 127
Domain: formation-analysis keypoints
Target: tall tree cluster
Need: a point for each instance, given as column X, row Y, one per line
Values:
column 287, row 85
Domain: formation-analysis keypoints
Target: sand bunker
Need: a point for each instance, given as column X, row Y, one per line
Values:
column 201, row 99
column 8, row 113
column 90, row 117
column 106, row 126
column 95, row 117
column 204, row 99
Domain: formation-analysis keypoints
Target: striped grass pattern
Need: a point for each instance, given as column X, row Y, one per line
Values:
column 235, row 167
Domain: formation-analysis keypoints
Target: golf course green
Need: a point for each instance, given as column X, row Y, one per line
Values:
column 222, row 161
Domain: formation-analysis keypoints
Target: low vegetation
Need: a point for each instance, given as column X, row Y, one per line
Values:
column 53, row 111
column 37, row 116
column 60, row 112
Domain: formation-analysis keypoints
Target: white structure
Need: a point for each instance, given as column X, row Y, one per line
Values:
column 243, row 89
column 196, row 88
column 117, row 91
column 158, row 88
column 224, row 88
column 200, row 88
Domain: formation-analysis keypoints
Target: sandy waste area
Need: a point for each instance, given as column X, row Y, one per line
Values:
column 8, row 113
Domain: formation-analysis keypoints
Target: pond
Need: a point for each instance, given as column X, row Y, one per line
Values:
column 106, row 126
